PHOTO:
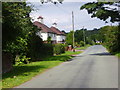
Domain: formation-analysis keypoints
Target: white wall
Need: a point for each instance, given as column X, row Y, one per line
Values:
column 59, row 38
column 54, row 37
column 63, row 37
column 42, row 35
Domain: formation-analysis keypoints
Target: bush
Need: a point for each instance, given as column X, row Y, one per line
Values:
column 82, row 43
column 47, row 49
column 21, row 59
column 59, row 48
column 38, row 49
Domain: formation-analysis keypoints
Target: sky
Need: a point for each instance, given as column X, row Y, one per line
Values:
column 62, row 15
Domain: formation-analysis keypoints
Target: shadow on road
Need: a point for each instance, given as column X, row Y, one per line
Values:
column 102, row 54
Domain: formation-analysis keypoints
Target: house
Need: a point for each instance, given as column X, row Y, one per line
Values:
column 45, row 32
column 60, row 36
column 56, row 35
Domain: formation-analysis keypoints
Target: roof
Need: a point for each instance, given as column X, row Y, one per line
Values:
column 57, row 31
column 43, row 27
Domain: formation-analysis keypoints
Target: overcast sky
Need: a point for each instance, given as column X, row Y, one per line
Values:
column 62, row 15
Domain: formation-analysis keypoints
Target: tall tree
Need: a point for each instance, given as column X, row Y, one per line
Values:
column 69, row 38
column 17, row 28
column 16, row 22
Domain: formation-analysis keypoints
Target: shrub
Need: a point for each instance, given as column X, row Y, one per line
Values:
column 47, row 49
column 82, row 43
column 38, row 49
column 21, row 59
column 59, row 48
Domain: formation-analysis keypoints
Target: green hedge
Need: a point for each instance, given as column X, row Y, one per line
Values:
column 59, row 48
column 38, row 49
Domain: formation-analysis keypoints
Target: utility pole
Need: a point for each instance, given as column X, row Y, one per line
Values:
column 73, row 30
column 84, row 36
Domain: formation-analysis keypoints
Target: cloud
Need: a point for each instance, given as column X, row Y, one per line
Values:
column 62, row 15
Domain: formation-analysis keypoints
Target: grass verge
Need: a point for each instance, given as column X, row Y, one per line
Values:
column 82, row 48
column 118, row 54
column 23, row 73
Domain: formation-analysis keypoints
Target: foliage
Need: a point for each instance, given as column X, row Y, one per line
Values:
column 78, row 36
column 69, row 38
column 49, row 39
column 103, row 10
column 21, row 59
column 82, row 43
column 16, row 28
column 90, row 36
column 118, row 54
column 38, row 49
column 110, row 34
column 16, row 21
column 59, row 48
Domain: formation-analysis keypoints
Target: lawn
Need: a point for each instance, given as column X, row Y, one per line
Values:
column 82, row 48
column 69, row 53
column 23, row 73
column 118, row 54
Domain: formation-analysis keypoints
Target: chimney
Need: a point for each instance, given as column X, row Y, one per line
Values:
column 40, row 19
column 54, row 24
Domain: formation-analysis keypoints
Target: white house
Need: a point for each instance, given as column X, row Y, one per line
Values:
column 56, row 35
column 60, row 36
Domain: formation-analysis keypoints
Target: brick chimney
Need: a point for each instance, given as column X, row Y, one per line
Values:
column 54, row 24
column 40, row 19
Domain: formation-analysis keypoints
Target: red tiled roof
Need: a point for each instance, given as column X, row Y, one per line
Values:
column 57, row 31
column 43, row 27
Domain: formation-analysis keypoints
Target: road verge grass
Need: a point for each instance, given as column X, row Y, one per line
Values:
column 23, row 73
column 83, row 47
column 118, row 54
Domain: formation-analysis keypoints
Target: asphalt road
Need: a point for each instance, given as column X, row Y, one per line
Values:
column 94, row 68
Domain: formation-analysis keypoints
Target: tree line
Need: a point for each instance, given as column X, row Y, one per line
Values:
column 107, row 36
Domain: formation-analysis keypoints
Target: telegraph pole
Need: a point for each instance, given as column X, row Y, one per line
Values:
column 73, row 30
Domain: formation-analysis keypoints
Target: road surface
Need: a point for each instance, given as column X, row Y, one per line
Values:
column 94, row 68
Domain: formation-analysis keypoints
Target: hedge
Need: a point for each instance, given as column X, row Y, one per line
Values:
column 59, row 48
column 39, row 50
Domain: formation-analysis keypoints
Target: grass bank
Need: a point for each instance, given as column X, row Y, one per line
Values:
column 23, row 73
column 118, row 54
column 82, row 48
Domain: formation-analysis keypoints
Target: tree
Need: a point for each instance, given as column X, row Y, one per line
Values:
column 16, row 27
column 109, row 33
column 78, row 36
column 69, row 38
column 16, row 21
column 103, row 10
